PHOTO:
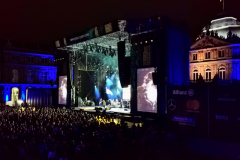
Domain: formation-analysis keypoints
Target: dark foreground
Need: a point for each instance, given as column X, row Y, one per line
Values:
column 47, row 133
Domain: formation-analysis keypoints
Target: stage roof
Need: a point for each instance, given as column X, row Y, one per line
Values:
column 104, row 37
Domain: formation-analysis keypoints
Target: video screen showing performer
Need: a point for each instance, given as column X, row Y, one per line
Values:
column 146, row 91
column 62, row 90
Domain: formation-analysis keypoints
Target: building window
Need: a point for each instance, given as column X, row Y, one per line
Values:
column 207, row 55
column 194, row 56
column 30, row 76
column 221, row 53
column 44, row 60
column 222, row 72
column 195, row 74
column 208, row 75
column 31, row 59
column 44, row 76
column 15, row 58
column 15, row 75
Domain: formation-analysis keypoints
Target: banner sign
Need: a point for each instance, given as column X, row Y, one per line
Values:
column 224, row 113
column 93, row 33
column 187, row 110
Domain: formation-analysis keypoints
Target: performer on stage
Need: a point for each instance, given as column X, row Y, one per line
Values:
column 103, row 103
column 100, row 102
column 81, row 102
column 121, row 104
column 117, row 103
column 85, row 101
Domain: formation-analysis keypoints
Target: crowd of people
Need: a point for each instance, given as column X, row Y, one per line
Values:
column 63, row 134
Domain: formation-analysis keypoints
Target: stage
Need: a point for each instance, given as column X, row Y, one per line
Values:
column 111, row 110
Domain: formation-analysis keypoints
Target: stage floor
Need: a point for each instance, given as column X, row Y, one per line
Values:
column 112, row 110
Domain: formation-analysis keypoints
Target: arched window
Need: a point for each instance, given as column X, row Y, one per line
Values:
column 195, row 74
column 208, row 74
column 222, row 72
column 30, row 75
column 44, row 76
column 15, row 75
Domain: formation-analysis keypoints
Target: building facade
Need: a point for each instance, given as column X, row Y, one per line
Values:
column 217, row 55
column 22, row 68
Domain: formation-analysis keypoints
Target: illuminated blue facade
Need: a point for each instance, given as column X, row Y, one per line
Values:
column 22, row 69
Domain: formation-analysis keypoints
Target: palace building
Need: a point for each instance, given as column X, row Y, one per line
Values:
column 25, row 66
column 217, row 51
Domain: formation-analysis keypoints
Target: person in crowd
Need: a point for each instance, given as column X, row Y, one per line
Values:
column 54, row 133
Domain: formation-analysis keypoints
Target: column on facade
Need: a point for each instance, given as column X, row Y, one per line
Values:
column 237, row 70
column 214, row 70
column 230, row 69
column 230, row 52
column 226, row 53
column 202, row 71
column 212, row 54
column 234, row 70
column 191, row 72
column 7, row 92
column 37, row 75
column 190, row 56
column 23, row 93
column 200, row 55
column 227, row 71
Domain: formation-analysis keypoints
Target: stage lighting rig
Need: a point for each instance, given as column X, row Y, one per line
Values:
column 104, row 51
column 91, row 48
column 85, row 49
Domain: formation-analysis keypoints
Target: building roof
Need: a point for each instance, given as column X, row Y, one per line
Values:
column 209, row 42
column 222, row 24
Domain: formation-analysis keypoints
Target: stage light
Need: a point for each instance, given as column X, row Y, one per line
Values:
column 140, row 42
column 91, row 48
column 145, row 41
column 135, row 43
column 151, row 40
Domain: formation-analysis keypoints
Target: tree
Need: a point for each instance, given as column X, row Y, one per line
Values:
column 229, row 34
column 202, row 35
column 212, row 33
column 208, row 32
column 215, row 79
column 216, row 34
column 200, row 79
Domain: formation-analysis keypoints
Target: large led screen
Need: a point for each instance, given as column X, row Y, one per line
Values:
column 146, row 91
column 62, row 90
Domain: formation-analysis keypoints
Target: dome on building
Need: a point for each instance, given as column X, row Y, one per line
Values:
column 222, row 24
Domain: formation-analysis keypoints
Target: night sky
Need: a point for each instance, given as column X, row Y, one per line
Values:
column 43, row 21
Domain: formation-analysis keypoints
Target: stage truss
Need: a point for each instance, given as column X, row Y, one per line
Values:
column 98, row 55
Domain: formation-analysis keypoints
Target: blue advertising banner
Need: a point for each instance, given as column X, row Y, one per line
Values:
column 187, row 110
column 224, row 113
